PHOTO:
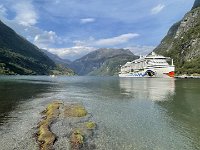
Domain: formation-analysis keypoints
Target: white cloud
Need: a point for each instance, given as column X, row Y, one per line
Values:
column 72, row 53
column 157, row 9
column 116, row 40
column 81, row 48
column 41, row 38
column 141, row 49
column 25, row 13
column 46, row 39
column 25, row 25
column 29, row 32
column 24, row 19
column 87, row 20
column 3, row 11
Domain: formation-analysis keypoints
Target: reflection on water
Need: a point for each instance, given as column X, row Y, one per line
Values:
column 154, row 89
column 12, row 93
column 184, row 109
column 142, row 114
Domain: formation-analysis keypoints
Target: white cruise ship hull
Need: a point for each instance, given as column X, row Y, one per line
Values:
column 167, row 72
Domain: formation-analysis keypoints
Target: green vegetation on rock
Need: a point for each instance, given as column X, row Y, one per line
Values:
column 77, row 139
column 19, row 56
column 61, row 70
column 90, row 125
column 75, row 110
column 45, row 137
column 182, row 43
column 102, row 62
column 112, row 65
column 16, row 63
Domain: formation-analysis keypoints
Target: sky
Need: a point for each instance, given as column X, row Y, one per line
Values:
column 73, row 28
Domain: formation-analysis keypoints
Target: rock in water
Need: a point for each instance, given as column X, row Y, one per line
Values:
column 66, row 126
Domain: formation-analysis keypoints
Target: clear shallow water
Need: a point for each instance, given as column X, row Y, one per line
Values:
column 157, row 114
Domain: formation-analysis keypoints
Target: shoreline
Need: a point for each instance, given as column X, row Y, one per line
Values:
column 187, row 77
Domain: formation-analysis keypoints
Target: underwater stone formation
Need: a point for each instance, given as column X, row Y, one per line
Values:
column 74, row 123
column 45, row 137
column 76, row 139
column 75, row 110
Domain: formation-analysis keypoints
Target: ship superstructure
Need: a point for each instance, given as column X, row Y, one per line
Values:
column 152, row 65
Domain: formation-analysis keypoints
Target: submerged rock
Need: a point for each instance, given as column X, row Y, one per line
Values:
column 75, row 110
column 90, row 125
column 45, row 137
column 66, row 127
column 76, row 139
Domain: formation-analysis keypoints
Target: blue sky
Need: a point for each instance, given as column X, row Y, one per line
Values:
column 72, row 28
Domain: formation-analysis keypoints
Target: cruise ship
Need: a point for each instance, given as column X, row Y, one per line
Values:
column 152, row 65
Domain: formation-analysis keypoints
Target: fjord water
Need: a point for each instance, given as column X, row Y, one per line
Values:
column 142, row 114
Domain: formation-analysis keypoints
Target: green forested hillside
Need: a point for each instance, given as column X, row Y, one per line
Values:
column 102, row 62
column 19, row 56
column 182, row 43
column 112, row 65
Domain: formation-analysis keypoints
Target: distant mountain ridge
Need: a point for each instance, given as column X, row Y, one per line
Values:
column 19, row 56
column 56, row 58
column 182, row 43
column 102, row 62
column 62, row 64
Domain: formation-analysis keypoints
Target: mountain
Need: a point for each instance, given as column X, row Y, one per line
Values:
column 17, row 55
column 56, row 58
column 102, row 62
column 182, row 43
column 62, row 65
column 196, row 4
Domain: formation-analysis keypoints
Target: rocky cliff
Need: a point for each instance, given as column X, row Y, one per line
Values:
column 182, row 43
column 196, row 4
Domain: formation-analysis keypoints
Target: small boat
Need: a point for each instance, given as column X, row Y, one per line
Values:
column 152, row 65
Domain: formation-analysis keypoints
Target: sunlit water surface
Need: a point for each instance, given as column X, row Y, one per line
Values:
column 142, row 114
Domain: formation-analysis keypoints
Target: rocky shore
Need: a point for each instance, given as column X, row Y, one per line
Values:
column 188, row 77
column 65, row 126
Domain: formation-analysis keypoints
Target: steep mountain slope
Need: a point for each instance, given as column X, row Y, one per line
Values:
column 182, row 43
column 17, row 55
column 196, row 4
column 56, row 58
column 102, row 62
column 112, row 66
column 62, row 65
